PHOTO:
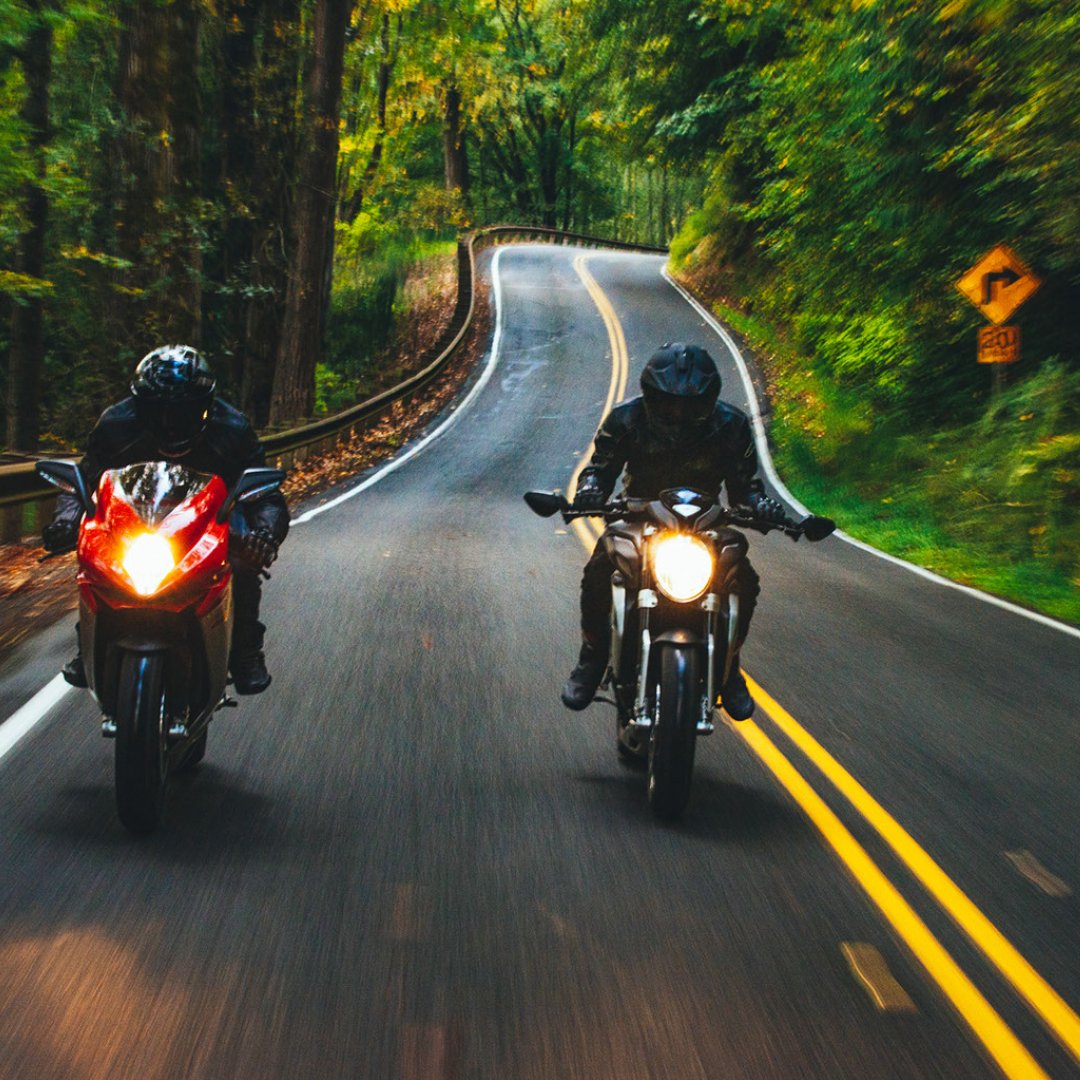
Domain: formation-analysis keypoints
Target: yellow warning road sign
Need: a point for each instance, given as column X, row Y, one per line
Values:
column 998, row 283
column 999, row 344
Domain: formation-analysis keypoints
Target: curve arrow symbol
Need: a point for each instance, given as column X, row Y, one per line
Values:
column 1008, row 276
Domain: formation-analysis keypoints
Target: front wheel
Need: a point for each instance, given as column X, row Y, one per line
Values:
column 674, row 732
column 141, row 749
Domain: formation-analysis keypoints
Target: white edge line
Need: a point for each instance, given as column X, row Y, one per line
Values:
column 493, row 359
column 23, row 720
column 765, row 457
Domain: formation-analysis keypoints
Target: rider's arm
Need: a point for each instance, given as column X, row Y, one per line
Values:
column 270, row 511
column 102, row 451
column 611, row 448
column 741, row 479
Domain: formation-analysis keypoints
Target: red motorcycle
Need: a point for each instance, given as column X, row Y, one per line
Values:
column 155, row 614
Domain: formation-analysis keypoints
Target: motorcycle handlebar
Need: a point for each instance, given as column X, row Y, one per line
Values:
column 813, row 528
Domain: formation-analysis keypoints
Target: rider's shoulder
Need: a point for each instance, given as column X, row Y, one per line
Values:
column 118, row 424
column 122, row 412
column 727, row 415
column 627, row 415
column 225, row 415
column 230, row 426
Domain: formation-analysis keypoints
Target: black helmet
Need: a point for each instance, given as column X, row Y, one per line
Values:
column 174, row 389
column 681, row 386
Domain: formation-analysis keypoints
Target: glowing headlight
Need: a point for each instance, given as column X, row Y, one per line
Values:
column 147, row 560
column 683, row 566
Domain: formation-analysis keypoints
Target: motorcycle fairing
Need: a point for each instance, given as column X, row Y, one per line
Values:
column 190, row 615
column 199, row 541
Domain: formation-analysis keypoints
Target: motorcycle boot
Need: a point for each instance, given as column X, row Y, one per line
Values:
column 585, row 679
column 73, row 671
column 246, row 661
column 734, row 695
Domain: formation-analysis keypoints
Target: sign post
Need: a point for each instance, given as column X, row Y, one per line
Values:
column 997, row 285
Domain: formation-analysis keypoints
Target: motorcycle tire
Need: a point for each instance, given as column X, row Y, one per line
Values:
column 141, row 749
column 674, row 732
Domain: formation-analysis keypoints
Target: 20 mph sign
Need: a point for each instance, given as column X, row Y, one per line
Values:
column 998, row 283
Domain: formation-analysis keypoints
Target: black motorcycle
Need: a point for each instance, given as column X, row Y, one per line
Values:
column 674, row 614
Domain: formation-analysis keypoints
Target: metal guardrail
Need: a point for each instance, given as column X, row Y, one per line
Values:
column 20, row 484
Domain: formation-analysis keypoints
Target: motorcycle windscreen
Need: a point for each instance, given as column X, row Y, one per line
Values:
column 154, row 489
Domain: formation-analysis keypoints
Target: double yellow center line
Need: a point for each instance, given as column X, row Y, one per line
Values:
column 986, row 1024
column 588, row 530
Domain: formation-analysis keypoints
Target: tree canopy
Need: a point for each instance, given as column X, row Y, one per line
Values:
column 248, row 175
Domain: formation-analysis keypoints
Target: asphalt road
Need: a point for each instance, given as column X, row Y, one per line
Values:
column 407, row 860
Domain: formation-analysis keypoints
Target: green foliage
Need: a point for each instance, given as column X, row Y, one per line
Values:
column 861, row 157
column 994, row 502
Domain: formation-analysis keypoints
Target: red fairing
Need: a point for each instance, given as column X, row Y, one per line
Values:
column 199, row 544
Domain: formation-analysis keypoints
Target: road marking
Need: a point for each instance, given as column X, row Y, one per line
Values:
column 762, row 443
column 1026, row 864
column 588, row 530
column 416, row 448
column 21, row 722
column 1006, row 1049
column 1029, row 984
column 870, row 968
column 983, row 1020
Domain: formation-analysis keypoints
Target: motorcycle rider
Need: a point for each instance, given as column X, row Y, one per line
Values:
column 678, row 432
column 173, row 414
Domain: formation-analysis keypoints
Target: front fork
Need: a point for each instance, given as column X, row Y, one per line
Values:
column 646, row 600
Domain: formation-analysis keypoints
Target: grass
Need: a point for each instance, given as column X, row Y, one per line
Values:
column 994, row 503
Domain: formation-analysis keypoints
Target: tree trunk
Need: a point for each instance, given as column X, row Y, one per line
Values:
column 455, row 158
column 159, row 183
column 237, row 179
column 183, row 176
column 27, row 352
column 302, row 332
column 274, row 179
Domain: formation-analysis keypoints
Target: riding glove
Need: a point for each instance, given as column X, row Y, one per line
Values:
column 257, row 547
column 60, row 536
column 589, row 495
column 766, row 508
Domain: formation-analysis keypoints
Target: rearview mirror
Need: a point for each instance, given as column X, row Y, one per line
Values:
column 817, row 528
column 68, row 477
column 546, row 503
column 252, row 484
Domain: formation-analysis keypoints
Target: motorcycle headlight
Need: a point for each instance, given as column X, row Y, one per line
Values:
column 147, row 559
column 682, row 565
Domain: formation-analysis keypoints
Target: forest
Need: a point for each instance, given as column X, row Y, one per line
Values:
column 256, row 177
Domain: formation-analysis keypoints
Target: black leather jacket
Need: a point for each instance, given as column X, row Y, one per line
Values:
column 724, row 454
column 227, row 447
